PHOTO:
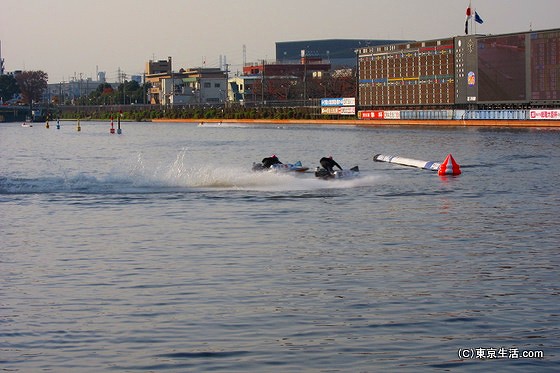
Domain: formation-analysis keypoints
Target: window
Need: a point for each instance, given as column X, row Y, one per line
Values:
column 216, row 85
column 207, row 85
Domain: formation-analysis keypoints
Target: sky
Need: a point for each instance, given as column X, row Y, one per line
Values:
column 73, row 39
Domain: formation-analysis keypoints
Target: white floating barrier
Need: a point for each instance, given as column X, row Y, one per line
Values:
column 448, row 167
column 432, row 166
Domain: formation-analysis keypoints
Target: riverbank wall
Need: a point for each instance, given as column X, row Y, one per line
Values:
column 380, row 123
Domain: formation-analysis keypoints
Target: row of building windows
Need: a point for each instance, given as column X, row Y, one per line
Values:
column 430, row 94
column 408, row 55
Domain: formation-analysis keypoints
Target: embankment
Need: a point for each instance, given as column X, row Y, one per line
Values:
column 380, row 123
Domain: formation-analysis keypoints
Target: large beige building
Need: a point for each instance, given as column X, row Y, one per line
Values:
column 186, row 87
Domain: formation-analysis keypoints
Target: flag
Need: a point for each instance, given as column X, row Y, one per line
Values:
column 469, row 15
column 477, row 18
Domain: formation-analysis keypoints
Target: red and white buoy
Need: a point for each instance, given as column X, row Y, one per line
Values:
column 449, row 167
column 112, row 130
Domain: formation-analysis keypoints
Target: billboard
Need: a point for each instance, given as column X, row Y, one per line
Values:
column 347, row 101
column 371, row 114
column 338, row 110
column 545, row 67
column 553, row 114
column 502, row 68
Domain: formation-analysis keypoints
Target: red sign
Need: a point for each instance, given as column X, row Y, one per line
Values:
column 545, row 114
column 371, row 114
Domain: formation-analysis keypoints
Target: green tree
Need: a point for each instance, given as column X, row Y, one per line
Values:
column 129, row 92
column 104, row 94
column 32, row 85
column 8, row 87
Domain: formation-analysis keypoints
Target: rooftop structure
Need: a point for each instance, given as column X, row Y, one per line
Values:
column 158, row 67
column 338, row 52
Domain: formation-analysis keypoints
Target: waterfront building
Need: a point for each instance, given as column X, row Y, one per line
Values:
column 282, row 81
column 193, row 86
column 339, row 53
column 471, row 72
column 241, row 88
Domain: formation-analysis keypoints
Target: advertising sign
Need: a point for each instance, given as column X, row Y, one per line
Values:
column 348, row 110
column 553, row 114
column 344, row 110
column 348, row 101
column 392, row 114
column 371, row 114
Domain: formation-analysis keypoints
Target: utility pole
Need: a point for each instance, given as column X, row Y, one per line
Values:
column 226, row 99
column 262, row 84
column 1, row 60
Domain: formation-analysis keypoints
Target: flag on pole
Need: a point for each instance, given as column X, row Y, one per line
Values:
column 469, row 15
column 477, row 18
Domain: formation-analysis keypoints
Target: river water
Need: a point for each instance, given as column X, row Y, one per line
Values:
column 159, row 250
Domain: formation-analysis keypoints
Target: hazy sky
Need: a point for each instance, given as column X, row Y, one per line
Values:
column 66, row 38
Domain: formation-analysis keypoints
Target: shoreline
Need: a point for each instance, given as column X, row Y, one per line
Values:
column 382, row 123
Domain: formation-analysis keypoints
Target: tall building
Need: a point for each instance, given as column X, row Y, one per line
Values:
column 339, row 53
column 518, row 70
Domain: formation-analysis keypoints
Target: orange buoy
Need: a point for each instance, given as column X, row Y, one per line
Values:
column 449, row 167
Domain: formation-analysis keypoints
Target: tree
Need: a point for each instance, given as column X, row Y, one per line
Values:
column 105, row 88
column 127, row 90
column 32, row 85
column 8, row 87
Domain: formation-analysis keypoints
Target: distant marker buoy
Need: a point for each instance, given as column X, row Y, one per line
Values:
column 47, row 125
column 119, row 131
column 449, row 167
column 112, row 131
column 79, row 128
column 58, row 124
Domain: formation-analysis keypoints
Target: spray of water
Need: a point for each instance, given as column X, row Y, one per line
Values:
column 139, row 176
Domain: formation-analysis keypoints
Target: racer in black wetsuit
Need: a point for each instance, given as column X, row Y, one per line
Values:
column 329, row 163
column 269, row 161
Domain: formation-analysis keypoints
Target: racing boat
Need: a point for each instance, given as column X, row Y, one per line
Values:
column 281, row 167
column 321, row 173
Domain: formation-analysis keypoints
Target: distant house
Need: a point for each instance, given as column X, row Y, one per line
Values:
column 186, row 87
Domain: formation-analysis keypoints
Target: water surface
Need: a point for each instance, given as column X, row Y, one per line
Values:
column 159, row 250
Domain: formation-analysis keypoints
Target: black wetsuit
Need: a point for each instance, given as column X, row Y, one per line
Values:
column 269, row 161
column 328, row 164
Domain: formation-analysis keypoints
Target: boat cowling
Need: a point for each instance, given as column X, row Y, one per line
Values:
column 257, row 166
column 323, row 174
